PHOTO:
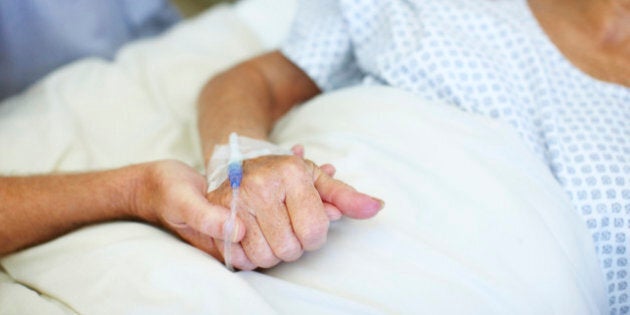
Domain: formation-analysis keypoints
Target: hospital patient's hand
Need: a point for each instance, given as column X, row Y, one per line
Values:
column 286, row 204
column 285, row 199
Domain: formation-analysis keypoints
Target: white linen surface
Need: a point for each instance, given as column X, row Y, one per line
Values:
column 474, row 224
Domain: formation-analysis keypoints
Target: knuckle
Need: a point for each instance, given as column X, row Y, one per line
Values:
column 264, row 258
column 289, row 251
column 239, row 258
column 261, row 188
column 256, row 180
column 292, row 165
column 242, row 263
column 314, row 235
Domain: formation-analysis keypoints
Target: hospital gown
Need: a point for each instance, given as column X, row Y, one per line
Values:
column 490, row 58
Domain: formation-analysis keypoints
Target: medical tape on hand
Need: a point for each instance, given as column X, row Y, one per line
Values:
column 217, row 170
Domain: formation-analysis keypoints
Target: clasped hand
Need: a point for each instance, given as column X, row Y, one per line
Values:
column 285, row 206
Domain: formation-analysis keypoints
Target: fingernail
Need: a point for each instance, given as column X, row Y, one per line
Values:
column 381, row 202
column 235, row 232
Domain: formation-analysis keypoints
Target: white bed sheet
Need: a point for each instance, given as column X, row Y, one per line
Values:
column 474, row 224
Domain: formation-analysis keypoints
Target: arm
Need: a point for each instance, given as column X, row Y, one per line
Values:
column 35, row 209
column 250, row 98
column 286, row 201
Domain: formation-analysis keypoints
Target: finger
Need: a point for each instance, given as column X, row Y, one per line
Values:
column 345, row 198
column 307, row 213
column 200, row 241
column 275, row 225
column 332, row 212
column 206, row 217
column 255, row 245
column 239, row 259
column 298, row 150
column 329, row 169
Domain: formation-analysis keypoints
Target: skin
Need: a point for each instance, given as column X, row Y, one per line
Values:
column 287, row 202
column 291, row 211
column 593, row 35
column 35, row 209
column 292, row 198
column 167, row 193
column 290, row 218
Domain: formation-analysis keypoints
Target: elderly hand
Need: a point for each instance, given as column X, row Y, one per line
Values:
column 286, row 204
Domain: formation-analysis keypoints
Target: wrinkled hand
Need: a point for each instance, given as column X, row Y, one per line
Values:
column 286, row 204
column 173, row 195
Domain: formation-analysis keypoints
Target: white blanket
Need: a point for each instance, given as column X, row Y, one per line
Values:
column 473, row 223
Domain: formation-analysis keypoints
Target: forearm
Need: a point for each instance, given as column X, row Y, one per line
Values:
column 236, row 100
column 38, row 208
column 249, row 98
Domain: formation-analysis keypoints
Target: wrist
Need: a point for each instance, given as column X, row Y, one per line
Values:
column 139, row 180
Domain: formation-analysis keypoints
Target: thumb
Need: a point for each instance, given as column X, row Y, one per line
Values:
column 350, row 202
column 207, row 218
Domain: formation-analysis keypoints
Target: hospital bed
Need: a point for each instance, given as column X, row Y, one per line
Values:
column 473, row 223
